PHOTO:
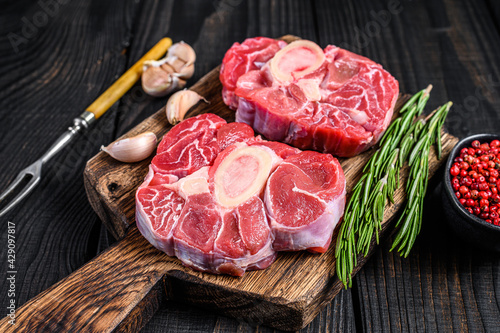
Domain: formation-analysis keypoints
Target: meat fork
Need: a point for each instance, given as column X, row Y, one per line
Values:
column 29, row 177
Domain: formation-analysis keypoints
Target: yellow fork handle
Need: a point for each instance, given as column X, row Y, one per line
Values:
column 127, row 80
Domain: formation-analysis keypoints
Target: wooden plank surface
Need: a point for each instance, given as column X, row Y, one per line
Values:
column 48, row 78
column 84, row 46
column 457, row 50
column 104, row 293
column 126, row 281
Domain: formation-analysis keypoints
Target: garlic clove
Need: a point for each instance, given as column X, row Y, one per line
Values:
column 186, row 72
column 167, row 68
column 181, row 84
column 153, row 63
column 150, row 63
column 177, row 83
column 176, row 63
column 182, row 51
column 179, row 104
column 156, row 81
column 132, row 149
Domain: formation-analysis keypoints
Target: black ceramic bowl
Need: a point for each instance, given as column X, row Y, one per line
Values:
column 467, row 226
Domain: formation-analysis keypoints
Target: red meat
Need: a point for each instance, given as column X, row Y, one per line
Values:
column 224, row 201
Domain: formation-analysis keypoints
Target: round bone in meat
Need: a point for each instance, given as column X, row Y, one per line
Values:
column 242, row 174
column 296, row 60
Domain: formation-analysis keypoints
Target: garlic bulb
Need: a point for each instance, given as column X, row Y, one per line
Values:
column 179, row 104
column 132, row 149
column 164, row 76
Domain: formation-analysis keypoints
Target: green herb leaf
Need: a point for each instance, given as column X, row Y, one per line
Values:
column 407, row 138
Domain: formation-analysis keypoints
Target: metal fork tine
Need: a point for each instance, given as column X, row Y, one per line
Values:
column 34, row 170
column 20, row 176
column 32, row 183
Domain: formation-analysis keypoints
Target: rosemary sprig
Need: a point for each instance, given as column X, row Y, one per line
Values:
column 406, row 138
column 410, row 222
column 382, row 169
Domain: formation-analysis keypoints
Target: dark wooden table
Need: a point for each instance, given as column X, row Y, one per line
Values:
column 57, row 56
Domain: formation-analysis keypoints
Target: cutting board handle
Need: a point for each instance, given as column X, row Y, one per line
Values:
column 120, row 289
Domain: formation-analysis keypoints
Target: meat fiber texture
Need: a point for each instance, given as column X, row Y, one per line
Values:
column 224, row 201
column 342, row 105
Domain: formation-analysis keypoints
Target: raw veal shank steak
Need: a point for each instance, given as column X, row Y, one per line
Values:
column 329, row 100
column 224, row 201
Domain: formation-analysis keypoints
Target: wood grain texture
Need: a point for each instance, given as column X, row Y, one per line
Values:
column 113, row 290
column 456, row 49
column 100, row 295
column 119, row 282
column 45, row 82
column 83, row 48
column 272, row 295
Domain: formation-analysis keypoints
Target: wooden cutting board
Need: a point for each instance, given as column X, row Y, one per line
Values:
column 121, row 288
